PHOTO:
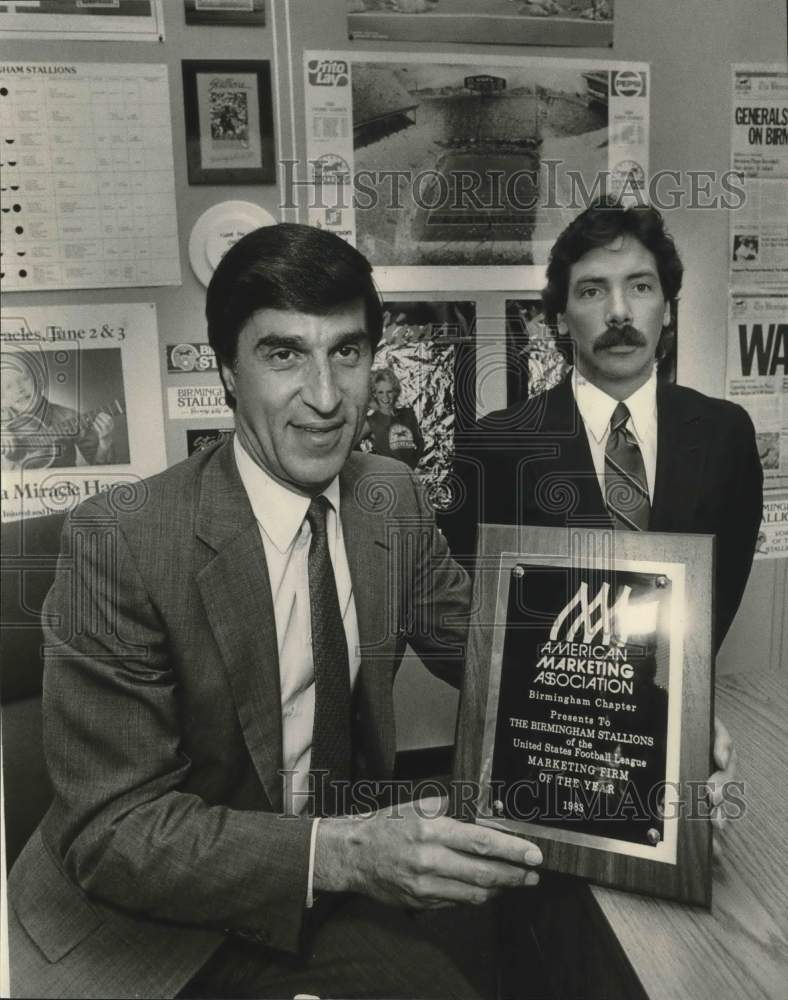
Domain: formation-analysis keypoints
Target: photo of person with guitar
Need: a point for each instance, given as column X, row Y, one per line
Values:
column 37, row 433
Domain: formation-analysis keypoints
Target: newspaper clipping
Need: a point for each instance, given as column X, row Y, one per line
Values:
column 757, row 376
column 773, row 537
column 759, row 153
column 425, row 161
column 81, row 403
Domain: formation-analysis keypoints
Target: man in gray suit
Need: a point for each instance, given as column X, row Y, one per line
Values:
column 220, row 636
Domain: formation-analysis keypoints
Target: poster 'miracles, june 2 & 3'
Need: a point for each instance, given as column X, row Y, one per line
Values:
column 474, row 162
column 81, row 403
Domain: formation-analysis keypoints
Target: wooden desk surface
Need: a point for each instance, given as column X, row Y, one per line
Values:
column 740, row 948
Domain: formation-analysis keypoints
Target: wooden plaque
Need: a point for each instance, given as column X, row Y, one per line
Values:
column 586, row 713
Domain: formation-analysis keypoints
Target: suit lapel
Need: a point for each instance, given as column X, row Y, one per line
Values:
column 680, row 455
column 237, row 597
column 370, row 560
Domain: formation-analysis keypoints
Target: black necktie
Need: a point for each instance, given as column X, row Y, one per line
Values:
column 331, row 739
column 626, row 486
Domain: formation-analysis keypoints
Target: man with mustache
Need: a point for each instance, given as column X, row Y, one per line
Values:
column 609, row 447
column 690, row 462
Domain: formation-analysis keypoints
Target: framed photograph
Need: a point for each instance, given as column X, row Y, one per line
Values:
column 537, row 359
column 423, row 388
column 221, row 12
column 485, row 22
column 229, row 121
column 84, row 20
column 587, row 706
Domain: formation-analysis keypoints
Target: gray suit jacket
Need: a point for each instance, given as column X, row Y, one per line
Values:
column 162, row 722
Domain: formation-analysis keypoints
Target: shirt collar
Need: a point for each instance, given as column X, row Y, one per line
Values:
column 279, row 511
column 596, row 407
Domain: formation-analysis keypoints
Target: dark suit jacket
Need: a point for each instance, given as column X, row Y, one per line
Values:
column 531, row 464
column 162, row 722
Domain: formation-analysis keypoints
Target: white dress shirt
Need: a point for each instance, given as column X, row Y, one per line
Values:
column 596, row 410
column 286, row 535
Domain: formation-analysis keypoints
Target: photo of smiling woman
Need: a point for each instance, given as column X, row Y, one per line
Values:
column 394, row 430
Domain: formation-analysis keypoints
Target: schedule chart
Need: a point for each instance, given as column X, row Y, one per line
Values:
column 88, row 188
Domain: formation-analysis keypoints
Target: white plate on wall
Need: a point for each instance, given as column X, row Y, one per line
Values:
column 218, row 228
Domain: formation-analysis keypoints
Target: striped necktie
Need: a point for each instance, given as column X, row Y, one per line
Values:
column 626, row 487
column 331, row 733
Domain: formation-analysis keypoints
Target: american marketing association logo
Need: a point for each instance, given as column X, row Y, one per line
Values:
column 586, row 619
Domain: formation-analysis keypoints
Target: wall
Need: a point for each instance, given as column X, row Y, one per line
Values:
column 690, row 46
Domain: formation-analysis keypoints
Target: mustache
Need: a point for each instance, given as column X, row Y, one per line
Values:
column 619, row 336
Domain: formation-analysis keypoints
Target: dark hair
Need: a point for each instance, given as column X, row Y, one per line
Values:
column 291, row 267
column 599, row 225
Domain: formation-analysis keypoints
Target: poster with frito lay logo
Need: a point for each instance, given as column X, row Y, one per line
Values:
column 584, row 704
column 438, row 160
